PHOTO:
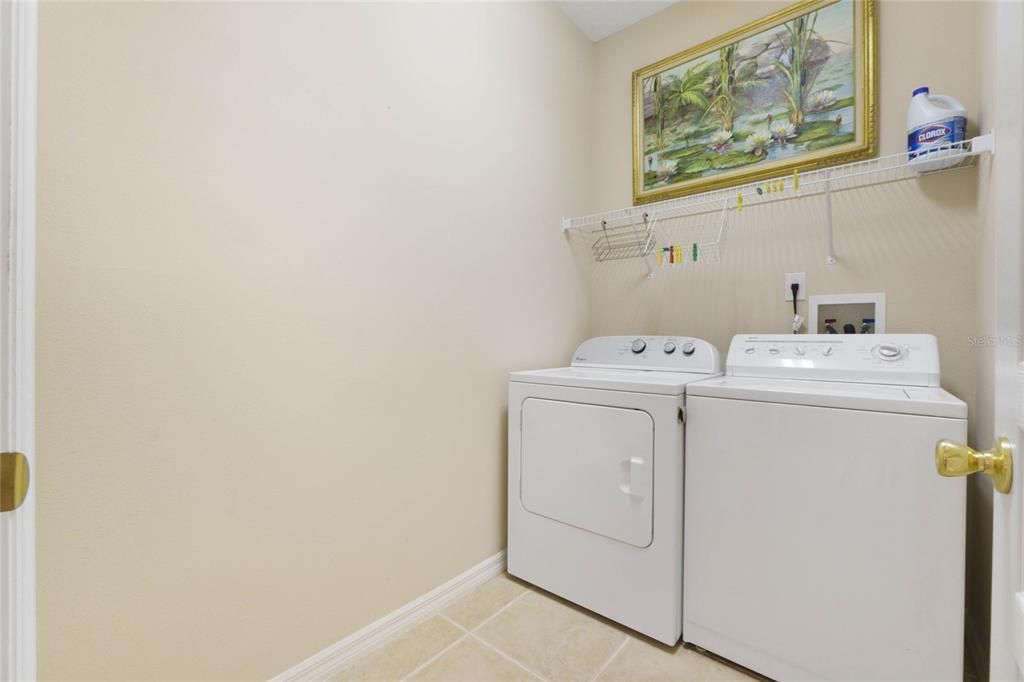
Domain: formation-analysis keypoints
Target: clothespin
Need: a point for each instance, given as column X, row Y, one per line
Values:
column 661, row 257
column 796, row 179
column 739, row 202
column 695, row 252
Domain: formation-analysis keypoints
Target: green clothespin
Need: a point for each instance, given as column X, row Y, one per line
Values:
column 695, row 252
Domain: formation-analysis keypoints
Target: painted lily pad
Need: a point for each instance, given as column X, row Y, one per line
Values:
column 685, row 152
column 831, row 141
column 815, row 130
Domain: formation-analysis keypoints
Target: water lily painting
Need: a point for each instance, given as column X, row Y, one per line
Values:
column 794, row 90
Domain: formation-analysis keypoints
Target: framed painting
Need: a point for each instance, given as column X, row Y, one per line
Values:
column 792, row 91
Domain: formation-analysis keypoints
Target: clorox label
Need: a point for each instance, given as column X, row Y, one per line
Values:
column 932, row 133
column 936, row 134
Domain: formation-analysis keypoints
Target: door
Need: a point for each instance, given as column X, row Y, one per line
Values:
column 1000, row 408
column 589, row 466
column 17, row 314
column 1007, row 172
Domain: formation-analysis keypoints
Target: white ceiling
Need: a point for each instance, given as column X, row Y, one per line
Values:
column 599, row 20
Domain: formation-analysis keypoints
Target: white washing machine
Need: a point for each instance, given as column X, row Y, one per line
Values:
column 595, row 477
column 820, row 541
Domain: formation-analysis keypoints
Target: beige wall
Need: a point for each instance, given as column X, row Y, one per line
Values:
column 287, row 254
column 916, row 241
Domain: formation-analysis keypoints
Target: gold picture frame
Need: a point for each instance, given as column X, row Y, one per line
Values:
column 789, row 78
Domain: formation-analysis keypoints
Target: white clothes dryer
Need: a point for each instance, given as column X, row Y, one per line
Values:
column 820, row 541
column 595, row 477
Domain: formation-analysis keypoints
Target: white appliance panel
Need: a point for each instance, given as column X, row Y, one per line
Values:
column 590, row 466
column 821, row 544
column 642, row 588
column 651, row 353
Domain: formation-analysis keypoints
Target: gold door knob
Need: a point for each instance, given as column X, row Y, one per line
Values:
column 13, row 480
column 955, row 459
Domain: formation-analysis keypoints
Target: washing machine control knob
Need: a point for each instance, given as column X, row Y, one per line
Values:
column 749, row 350
column 688, row 348
column 774, row 350
column 827, row 351
column 799, row 350
column 890, row 351
column 639, row 346
column 670, row 347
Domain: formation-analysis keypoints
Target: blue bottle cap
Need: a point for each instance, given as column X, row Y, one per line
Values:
column 919, row 91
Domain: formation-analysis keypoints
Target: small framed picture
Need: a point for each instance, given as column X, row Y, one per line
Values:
column 846, row 314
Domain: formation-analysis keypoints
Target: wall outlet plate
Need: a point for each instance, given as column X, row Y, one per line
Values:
column 801, row 279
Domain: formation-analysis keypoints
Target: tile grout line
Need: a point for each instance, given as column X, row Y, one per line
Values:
column 452, row 622
column 507, row 657
column 495, row 649
column 497, row 613
column 608, row 662
column 436, row 656
column 468, row 634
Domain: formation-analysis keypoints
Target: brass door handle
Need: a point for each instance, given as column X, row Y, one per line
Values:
column 955, row 459
column 13, row 480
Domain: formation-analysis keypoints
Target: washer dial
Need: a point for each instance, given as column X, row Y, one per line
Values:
column 889, row 351
column 639, row 346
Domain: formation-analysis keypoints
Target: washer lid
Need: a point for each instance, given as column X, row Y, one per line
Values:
column 929, row 401
column 632, row 380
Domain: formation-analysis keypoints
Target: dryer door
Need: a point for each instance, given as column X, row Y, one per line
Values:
column 589, row 466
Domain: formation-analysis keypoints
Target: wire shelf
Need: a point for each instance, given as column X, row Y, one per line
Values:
column 616, row 235
column 627, row 239
column 693, row 238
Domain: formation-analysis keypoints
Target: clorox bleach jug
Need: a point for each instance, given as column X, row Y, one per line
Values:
column 934, row 121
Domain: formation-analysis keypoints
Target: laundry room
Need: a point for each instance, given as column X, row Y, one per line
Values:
column 624, row 340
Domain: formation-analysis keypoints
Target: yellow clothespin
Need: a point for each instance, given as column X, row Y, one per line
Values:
column 782, row 184
column 661, row 257
column 796, row 179
column 739, row 202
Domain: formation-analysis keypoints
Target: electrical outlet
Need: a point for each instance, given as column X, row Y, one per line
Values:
column 801, row 279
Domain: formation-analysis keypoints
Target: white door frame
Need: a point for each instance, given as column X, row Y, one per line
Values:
column 18, row 22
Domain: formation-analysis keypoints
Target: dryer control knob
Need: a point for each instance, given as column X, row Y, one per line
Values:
column 639, row 346
column 749, row 350
column 827, row 351
column 688, row 348
column 799, row 350
column 774, row 350
column 671, row 347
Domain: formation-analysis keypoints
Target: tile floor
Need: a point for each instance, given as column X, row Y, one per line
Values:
column 508, row 630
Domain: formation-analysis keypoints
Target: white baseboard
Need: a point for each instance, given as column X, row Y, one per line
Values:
column 336, row 657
